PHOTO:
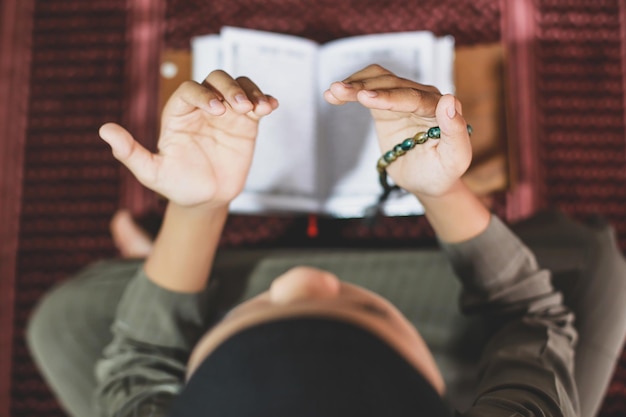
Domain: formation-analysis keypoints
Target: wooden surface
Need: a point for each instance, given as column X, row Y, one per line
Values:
column 479, row 80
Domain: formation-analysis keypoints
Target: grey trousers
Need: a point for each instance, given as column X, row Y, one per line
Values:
column 71, row 325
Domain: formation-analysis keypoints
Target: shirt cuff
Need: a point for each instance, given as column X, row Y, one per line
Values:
column 491, row 261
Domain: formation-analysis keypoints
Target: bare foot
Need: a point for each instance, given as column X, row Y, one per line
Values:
column 130, row 239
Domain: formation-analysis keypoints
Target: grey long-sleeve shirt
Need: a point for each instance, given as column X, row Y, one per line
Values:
column 526, row 368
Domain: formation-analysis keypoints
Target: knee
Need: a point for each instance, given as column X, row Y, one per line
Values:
column 43, row 328
column 608, row 260
column 80, row 309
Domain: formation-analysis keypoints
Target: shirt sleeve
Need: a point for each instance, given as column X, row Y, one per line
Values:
column 143, row 368
column 527, row 366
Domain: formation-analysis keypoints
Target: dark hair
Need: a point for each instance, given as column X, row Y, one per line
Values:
column 307, row 367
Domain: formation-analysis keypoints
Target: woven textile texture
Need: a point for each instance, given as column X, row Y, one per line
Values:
column 580, row 78
column 72, row 184
column 324, row 20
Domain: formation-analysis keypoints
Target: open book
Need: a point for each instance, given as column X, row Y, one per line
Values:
column 312, row 156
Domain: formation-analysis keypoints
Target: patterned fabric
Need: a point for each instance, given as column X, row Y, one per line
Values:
column 70, row 184
column 580, row 75
column 477, row 21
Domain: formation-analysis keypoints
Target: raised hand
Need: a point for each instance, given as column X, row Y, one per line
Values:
column 401, row 108
column 207, row 139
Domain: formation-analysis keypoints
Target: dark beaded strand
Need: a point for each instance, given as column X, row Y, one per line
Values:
column 399, row 150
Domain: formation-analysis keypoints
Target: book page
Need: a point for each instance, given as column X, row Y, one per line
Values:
column 444, row 65
column 284, row 160
column 299, row 161
column 348, row 135
column 206, row 55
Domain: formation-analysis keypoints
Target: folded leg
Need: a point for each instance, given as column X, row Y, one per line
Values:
column 71, row 325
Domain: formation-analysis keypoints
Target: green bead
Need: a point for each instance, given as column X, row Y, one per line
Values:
column 398, row 150
column 382, row 164
column 420, row 138
column 407, row 144
column 470, row 129
column 390, row 156
column 434, row 132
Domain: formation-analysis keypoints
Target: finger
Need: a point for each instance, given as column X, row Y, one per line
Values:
column 342, row 92
column 189, row 96
column 339, row 93
column 455, row 139
column 406, row 100
column 273, row 101
column 375, row 77
column 260, row 101
column 373, row 70
column 141, row 162
column 450, row 117
column 388, row 82
column 231, row 91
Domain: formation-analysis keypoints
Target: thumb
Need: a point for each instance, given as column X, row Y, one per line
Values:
column 450, row 118
column 454, row 142
column 129, row 152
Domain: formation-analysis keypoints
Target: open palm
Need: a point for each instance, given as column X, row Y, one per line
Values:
column 206, row 144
